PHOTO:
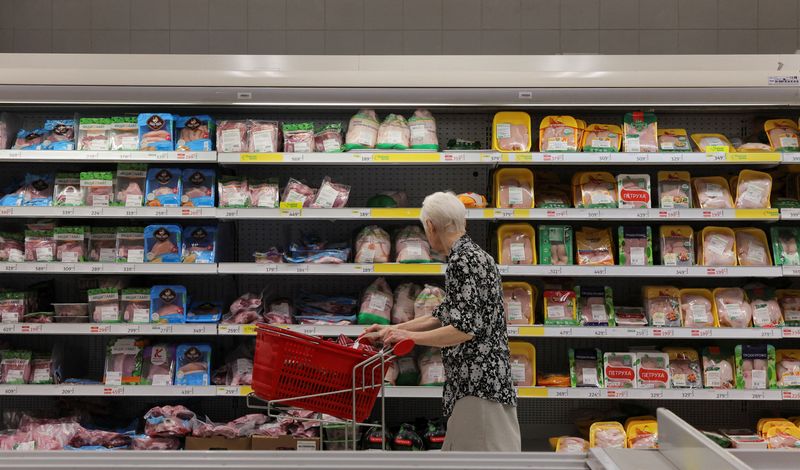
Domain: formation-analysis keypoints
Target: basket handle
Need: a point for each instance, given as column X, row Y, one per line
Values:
column 403, row 347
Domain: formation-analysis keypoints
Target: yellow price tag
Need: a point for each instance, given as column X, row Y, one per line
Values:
column 414, row 268
column 248, row 329
column 523, row 157
column 261, row 157
column 757, row 214
column 406, row 157
column 532, row 392
column 245, row 390
column 396, row 213
column 488, row 213
column 292, row 205
column 717, row 149
column 531, row 331
column 754, row 157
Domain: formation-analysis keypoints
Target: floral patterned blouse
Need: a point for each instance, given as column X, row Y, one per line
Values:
column 473, row 304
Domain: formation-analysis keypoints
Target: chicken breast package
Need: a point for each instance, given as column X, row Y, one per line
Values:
column 40, row 245
column 752, row 247
column 753, row 190
column 164, row 187
column 698, row 309
column 97, row 188
column 594, row 190
column 194, row 133
column 787, row 368
column 331, row 195
column 423, row 131
column 635, row 246
column 376, row 304
column 712, row 192
column 162, row 243
column 718, row 368
column 427, row 300
column 411, row 245
column 511, row 131
column 67, row 190
column 156, row 131
column 718, row 246
column 594, row 247
column 703, row 141
column 129, row 185
column 674, row 140
column 519, row 299
column 684, row 367
column 103, row 245
column 193, row 365
column 134, row 303
column 560, row 308
column 677, row 245
column 601, row 138
column 634, row 191
column 755, row 367
column 431, row 367
column 234, row 191
column 516, row 246
column 124, row 361
column 394, row 133
column 765, row 307
column 198, row 188
column 733, row 308
column 662, row 305
column 555, row 245
column 619, row 370
column 70, row 246
column 783, row 135
column 168, row 304
column 130, row 244
column 373, row 245
column 607, row 435
column 232, row 136
column 641, row 132
column 785, row 245
column 789, row 301
column 199, row 245
column 405, row 295
column 652, row 370
column 586, row 368
column 595, row 306
column 559, row 134
column 362, row 132
column 674, row 189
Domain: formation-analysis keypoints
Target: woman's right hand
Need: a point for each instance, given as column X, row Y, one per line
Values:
column 375, row 333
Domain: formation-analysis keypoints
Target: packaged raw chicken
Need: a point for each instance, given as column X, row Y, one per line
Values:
column 263, row 136
column 782, row 134
column 674, row 140
column 233, row 191
column 789, row 301
column 594, row 190
column 635, row 246
column 641, row 132
column 15, row 367
column 232, row 136
column 163, row 187
column 60, row 134
column 702, row 141
column 752, row 147
column 159, row 365
column 411, row 245
column 67, row 190
column 130, row 184
column 519, row 299
column 12, row 247
column 431, row 367
column 12, row 307
column 764, row 305
column 559, row 134
column 405, row 295
column 130, row 244
column 134, row 303
column 674, row 189
column 39, row 245
column 394, row 133
column 264, row 193
column 124, row 361
column 423, row 130
column 753, row 190
column 373, row 245
column 428, row 299
column 511, row 131
column 755, row 367
column 609, row 434
column 698, row 308
column 199, row 245
column 601, row 138
column 677, row 245
column 619, row 370
column 93, row 134
column 295, row 191
column 103, row 244
column 473, row 200
column 376, row 304
column 555, row 245
column 718, row 246
column 513, row 188
column 362, row 133
column 752, row 247
column 522, row 363
column 162, row 243
column 733, row 308
column 168, row 304
column 684, row 367
column 634, row 191
column 783, row 437
column 785, row 245
column 712, row 192
column 331, row 195
column 194, row 133
column 662, row 305
column 299, row 137
column 97, row 188
column 198, row 188
column 586, row 368
column 70, row 246
column 124, row 133
column 787, row 368
column 595, row 306
column 643, row 435
column 594, row 247
column 329, row 139
column 652, row 370
column 571, row 445
column 718, row 368
column 553, row 196
column 517, row 243
column 560, row 307
column 155, row 132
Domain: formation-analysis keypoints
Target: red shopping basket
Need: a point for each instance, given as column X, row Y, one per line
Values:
column 289, row 364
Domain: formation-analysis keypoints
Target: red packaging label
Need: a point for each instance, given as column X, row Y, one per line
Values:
column 634, row 195
column 653, row 375
column 402, row 442
column 437, row 439
column 620, row 374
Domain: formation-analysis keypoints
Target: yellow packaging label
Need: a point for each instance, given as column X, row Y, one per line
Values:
column 292, row 205
column 261, row 157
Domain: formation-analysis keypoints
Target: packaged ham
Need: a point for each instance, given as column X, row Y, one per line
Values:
column 787, row 368
column 594, row 190
column 789, row 301
column 103, row 244
column 586, row 368
column 129, row 185
column 12, row 307
column 263, row 136
column 198, row 188
column 93, row 134
column 684, row 368
column 559, row 134
column 619, row 370
column 652, row 370
column 755, row 367
column 428, row 299
column 595, row 306
column 60, row 134
column 362, row 133
column 134, row 303
column 514, row 188
column 431, row 367
column 155, row 132
column 718, row 368
column 373, row 245
column 674, row 140
column 331, row 195
column 594, row 246
column 70, row 246
column 423, row 130
column 298, row 138
column 733, row 308
column 162, row 243
column 783, row 135
column 752, row 247
column 698, row 308
column 765, row 307
column 519, row 299
column 329, row 139
column 163, row 187
column 517, row 243
column 555, row 245
column 785, row 245
column 702, row 141
column 571, row 445
column 12, row 247
column 641, row 132
column 159, row 365
column 168, row 304
column 634, row 191
column 199, row 245
column 411, row 245
column 511, row 131
column 635, row 246
column 522, row 363
column 712, row 192
column 753, row 190
column 662, row 305
column 130, row 244
column 15, row 367
column 677, row 245
column 608, row 434
column 194, row 133
column 560, row 307
column 124, row 361
column 233, row 192
column 376, row 304
column 405, row 295
column 601, row 138
column 394, row 133
column 124, row 133
column 295, row 191
column 718, row 246
column 40, row 245
column 168, row 421
column 232, row 136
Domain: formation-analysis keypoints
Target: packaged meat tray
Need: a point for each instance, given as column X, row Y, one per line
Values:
column 124, row 133
column 595, row 305
column 560, row 308
column 652, row 370
column 130, row 244
column 198, row 188
column 514, row 188
column 135, row 305
column 601, row 138
column 662, row 305
column 764, row 305
column 232, row 136
column 674, row 140
column 677, row 245
column 634, row 191
column 155, row 132
column 609, row 434
column 519, row 299
column 594, row 190
column 517, row 244
column 104, row 305
column 124, row 361
column 40, row 245
column 194, row 133
column 130, row 183
column 787, row 368
column 674, row 189
column 97, row 188
column 684, row 367
column 93, row 134
column 168, row 304
column 60, row 134
column 785, row 245
column 560, row 134
column 755, row 367
column 163, row 187
column 698, row 308
column 753, row 190
column 199, row 245
column 733, row 308
column 298, row 137
column 523, row 363
column 635, row 246
column 70, row 246
column 752, row 247
column 619, row 370
column 702, row 141
column 511, row 131
column 67, row 190
column 555, row 245
column 586, row 368
column 103, row 244
column 193, row 364
column 712, row 192
column 718, row 368
column 329, row 139
column 161, row 243
column 594, row 246
column 783, row 135
column 641, row 132
column 159, row 365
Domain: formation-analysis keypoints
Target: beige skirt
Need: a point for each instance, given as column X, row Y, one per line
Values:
column 479, row 425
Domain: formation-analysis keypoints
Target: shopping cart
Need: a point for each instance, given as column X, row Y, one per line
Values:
column 296, row 370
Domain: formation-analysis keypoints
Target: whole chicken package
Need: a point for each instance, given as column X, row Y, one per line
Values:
column 124, row 133
column 394, row 133
column 373, row 245
column 514, row 188
column 698, row 308
column 331, row 195
column 297, row 191
column 428, row 299
column 298, row 137
column 135, row 305
column 193, row 364
column 163, row 187
column 634, row 191
column 703, row 141
column 559, row 134
column 405, row 295
column 635, row 246
column 733, row 308
column 199, row 245
column 60, row 134
column 362, row 133
column 595, row 305
column 519, row 299
column 40, row 245
column 431, row 367
column 594, row 246
column 103, row 244
column 234, row 191
column 677, row 245
column 104, row 305
column 752, row 247
column 641, row 132
column 124, row 361
column 517, row 243
column 788, row 368
column 601, row 138
column 511, row 131
column 159, row 365
column 423, row 131
column 586, row 368
column 204, row 312
column 684, row 367
column 70, row 246
column 130, row 184
column 155, row 132
column 785, row 245
column 674, row 189
column 194, row 133
column 712, row 192
column 168, row 304
column 15, row 367
column 674, row 140
column 789, row 300
column 130, row 244
column 662, row 305
column 67, row 190
column 652, row 370
column 594, row 190
column 755, row 367
column 97, row 188
column 718, row 246
column 411, row 245
column 764, row 305
column 199, row 188
column 607, row 434
column 718, row 368
column 753, row 190
column 376, row 304
column 93, row 134
column 12, row 247
column 783, row 135
column 555, row 245
column 560, row 308
column 619, row 370
column 161, row 243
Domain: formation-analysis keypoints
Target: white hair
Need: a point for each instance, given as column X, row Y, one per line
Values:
column 445, row 211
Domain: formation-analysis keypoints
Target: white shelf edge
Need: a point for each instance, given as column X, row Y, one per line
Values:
column 44, row 156
column 333, row 269
column 111, row 212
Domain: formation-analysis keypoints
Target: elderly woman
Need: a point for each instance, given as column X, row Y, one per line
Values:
column 470, row 327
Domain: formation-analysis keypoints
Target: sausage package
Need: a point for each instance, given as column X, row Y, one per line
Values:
column 684, row 367
column 522, row 362
column 601, row 138
column 662, row 305
column 194, row 133
column 163, row 187
column 514, row 188
column 594, row 246
column 586, row 368
column 712, row 192
column 641, row 132
column 674, row 189
column 698, row 308
column 511, row 131
column 517, row 244
column 376, row 304
column 423, row 130
column 635, row 246
column 130, row 244
column 594, row 190
column 718, row 368
column 162, row 243
column 124, row 361
column 104, row 305
column 555, row 245
column 717, row 247
column 789, row 300
column 560, row 308
column 198, row 188
column 168, row 304
column 634, row 191
column 129, row 185
column 362, row 132
column 702, row 141
column 753, row 190
column 134, row 304
column 733, row 308
column 755, row 367
column 785, row 245
column 158, row 367
column 519, row 300
column 652, row 370
column 752, row 247
column 783, row 135
column 608, row 434
column 193, row 364
column 595, row 306
column 97, row 188
column 155, row 132
column 559, row 134
column 787, row 368
column 199, row 245
column 619, row 370
column 674, row 140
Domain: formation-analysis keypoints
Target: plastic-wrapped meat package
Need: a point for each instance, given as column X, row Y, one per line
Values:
column 15, row 367
column 607, row 435
column 753, row 190
column 586, row 367
column 601, row 138
column 163, row 187
column 155, row 131
column 198, row 188
column 785, row 245
column 295, row 191
column 97, row 188
column 788, row 368
column 329, row 139
column 752, row 248
column 245, row 310
column 733, row 309
column 97, row 438
column 571, row 445
column 755, row 366
column 232, row 136
column 130, row 244
column 123, row 362
column 428, row 299
column 674, row 140
column 512, row 137
column 240, row 372
column 630, row 316
column 517, row 303
column 662, row 305
column 135, row 305
column 411, row 245
column 298, row 137
column 194, row 133
column 619, row 370
column 69, row 244
column 199, row 245
column 595, row 190
column 718, row 370
column 130, row 183
column 423, row 130
column 168, row 304
column 555, row 245
column 162, row 243
column 264, row 193
column 634, row 191
column 431, row 367
column 93, row 134
column 311, row 249
column 60, row 134
column 12, row 307
column 263, row 136
column 645, row 436
column 783, row 437
column 29, row 140
column 394, row 133
column 713, row 193
column 233, row 192
column 677, row 246
column 765, row 307
column 684, row 368
column 515, row 194
column 159, row 365
column 595, row 305
column 594, row 247
column 789, row 301
column 521, row 370
column 168, row 421
column 718, row 247
column 559, row 134
column 782, row 134
column 67, row 190
column 39, row 245
column 35, row 191
column 331, row 195
column 373, row 245
column 708, row 140
column 517, row 248
column 124, row 133
column 12, row 248
column 145, row 442
column 641, row 132
column 652, row 370
column 674, row 190
column 376, row 304
column 104, row 305
column 405, row 295
column 271, row 256
column 635, row 246
column 560, row 307
column 696, row 308
column 362, row 133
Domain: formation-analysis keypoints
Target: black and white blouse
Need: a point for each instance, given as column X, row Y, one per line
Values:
column 473, row 304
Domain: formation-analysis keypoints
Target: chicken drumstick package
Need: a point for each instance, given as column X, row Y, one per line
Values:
column 555, row 245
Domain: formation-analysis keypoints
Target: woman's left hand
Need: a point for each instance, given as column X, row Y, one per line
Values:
column 394, row 336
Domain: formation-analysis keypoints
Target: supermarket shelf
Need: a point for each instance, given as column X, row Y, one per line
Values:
column 107, row 390
column 108, row 329
column 642, row 271
column 330, row 214
column 790, row 214
column 358, row 158
column 111, row 212
column 46, row 156
column 339, row 269
column 790, row 271
column 108, row 268
column 316, row 330
column 649, row 332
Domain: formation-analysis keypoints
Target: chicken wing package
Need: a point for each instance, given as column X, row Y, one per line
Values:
column 198, row 188
column 718, row 368
column 67, row 190
column 513, row 188
column 559, row 134
column 431, row 367
column 193, row 364
column 163, row 187
column 712, row 192
column 586, row 368
column 428, row 299
column 376, row 304
column 298, row 192
column 60, row 134
column 206, row 312
column 608, row 434
column 765, row 307
column 517, row 243
column 124, row 361
column 787, row 368
column 652, row 370
column 423, row 130
column 394, row 133
column 199, row 245
column 634, row 191
column 155, row 132
column 130, row 244
column 555, row 245
column 752, row 247
column 560, row 308
column 124, row 133
column 411, row 245
column 641, row 132
column 601, row 138
column 635, row 246
column 104, row 305
column 298, row 137
column 619, row 370
column 97, row 188
column 40, row 245
column 373, row 245
column 677, row 245
column 594, row 190
column 785, row 245
column 134, row 303
column 234, row 191
column 753, row 190
column 403, row 306
column 159, row 365
column 789, row 300
column 129, row 185
column 755, row 367
column 674, row 189
column 703, row 141
column 595, row 306
column 511, row 131
column 331, row 195
column 782, row 134
column 232, row 136
column 718, row 246
column 161, row 243
column 15, row 367
column 103, row 244
column 594, row 247
column 522, row 363
column 194, row 133
column 674, row 140
column 519, row 301
column 684, row 367
column 362, row 132
column 733, row 308
column 93, row 134
column 698, row 308
column 662, row 305
column 168, row 304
